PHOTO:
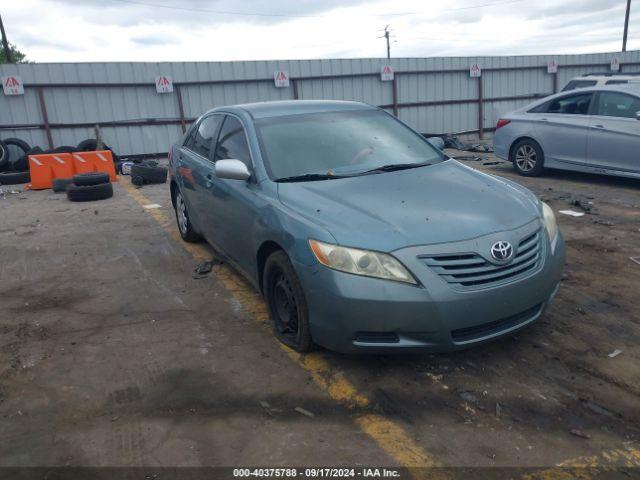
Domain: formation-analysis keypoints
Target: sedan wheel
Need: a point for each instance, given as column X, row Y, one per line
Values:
column 187, row 232
column 287, row 304
column 527, row 158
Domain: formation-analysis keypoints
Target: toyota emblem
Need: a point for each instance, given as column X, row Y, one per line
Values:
column 501, row 251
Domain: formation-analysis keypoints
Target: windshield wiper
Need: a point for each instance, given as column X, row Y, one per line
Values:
column 395, row 166
column 308, row 177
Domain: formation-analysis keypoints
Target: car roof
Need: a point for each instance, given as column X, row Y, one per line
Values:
column 295, row 107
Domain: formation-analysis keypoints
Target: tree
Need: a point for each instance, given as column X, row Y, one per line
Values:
column 16, row 55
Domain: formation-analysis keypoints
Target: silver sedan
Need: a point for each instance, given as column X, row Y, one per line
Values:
column 593, row 130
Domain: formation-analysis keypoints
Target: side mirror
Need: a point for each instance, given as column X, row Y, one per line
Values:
column 437, row 142
column 232, row 170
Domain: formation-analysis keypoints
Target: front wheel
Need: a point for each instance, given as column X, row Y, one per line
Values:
column 527, row 158
column 286, row 302
column 187, row 232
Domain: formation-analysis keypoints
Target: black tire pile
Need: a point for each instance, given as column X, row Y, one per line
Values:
column 14, row 161
column 148, row 172
column 85, row 187
column 14, row 158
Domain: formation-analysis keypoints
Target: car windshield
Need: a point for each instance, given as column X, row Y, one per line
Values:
column 334, row 144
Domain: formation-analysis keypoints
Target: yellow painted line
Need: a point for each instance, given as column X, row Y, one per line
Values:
column 388, row 434
column 588, row 468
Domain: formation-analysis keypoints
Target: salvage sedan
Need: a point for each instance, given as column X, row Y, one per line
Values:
column 593, row 130
column 361, row 235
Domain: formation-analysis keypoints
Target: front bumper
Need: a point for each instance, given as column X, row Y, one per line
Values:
column 350, row 313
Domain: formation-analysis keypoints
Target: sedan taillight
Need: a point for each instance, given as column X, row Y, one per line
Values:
column 502, row 122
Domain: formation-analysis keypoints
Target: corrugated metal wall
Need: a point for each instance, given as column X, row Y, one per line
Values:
column 90, row 93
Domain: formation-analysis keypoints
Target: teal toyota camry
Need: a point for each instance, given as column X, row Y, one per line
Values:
column 361, row 235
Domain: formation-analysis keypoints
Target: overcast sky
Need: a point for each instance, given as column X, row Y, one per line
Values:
column 157, row 30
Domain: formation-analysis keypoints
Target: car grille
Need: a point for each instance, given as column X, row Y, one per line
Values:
column 469, row 270
column 482, row 331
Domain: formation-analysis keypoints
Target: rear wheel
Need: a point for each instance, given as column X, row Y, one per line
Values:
column 527, row 158
column 187, row 232
column 286, row 302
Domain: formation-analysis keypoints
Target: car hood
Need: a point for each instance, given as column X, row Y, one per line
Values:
column 388, row 211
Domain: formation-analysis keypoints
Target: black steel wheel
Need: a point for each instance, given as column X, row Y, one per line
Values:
column 286, row 302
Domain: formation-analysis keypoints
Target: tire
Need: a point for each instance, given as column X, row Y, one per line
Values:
column 65, row 149
column 185, row 228
column 91, row 178
column 150, row 174
column 527, row 158
column 14, row 178
column 16, row 142
column 286, row 303
column 59, row 185
column 4, row 155
column 22, row 165
column 88, row 145
column 137, row 180
column 88, row 193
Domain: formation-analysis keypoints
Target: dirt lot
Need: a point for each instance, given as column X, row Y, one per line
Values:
column 111, row 353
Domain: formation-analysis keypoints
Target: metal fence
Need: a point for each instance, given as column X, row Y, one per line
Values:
column 63, row 102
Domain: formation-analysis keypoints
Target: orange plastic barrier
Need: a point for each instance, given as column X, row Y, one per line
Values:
column 44, row 168
column 102, row 161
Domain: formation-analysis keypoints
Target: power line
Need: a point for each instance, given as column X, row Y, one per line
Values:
column 5, row 42
column 290, row 15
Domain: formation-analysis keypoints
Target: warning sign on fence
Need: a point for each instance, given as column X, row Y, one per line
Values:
column 12, row 85
column 552, row 66
column 281, row 78
column 164, row 84
column 475, row 70
column 615, row 64
column 386, row 73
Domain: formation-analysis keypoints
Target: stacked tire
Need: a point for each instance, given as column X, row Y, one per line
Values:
column 88, row 187
column 148, row 172
column 14, row 161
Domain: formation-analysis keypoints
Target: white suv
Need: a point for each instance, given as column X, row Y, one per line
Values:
column 600, row 79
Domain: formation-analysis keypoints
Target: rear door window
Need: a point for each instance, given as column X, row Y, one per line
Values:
column 203, row 135
column 573, row 84
column 616, row 82
column 576, row 104
column 615, row 104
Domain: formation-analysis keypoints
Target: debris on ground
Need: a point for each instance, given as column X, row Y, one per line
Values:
column 579, row 433
column 585, row 206
column 451, row 141
column 602, row 221
column 204, row 268
column 469, row 397
column 615, row 353
column 152, row 206
column 572, row 213
column 304, row 412
column 498, row 410
column 635, row 259
column 472, row 158
column 599, row 409
column 491, row 163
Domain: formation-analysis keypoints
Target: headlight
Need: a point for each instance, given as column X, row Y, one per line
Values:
column 360, row 262
column 549, row 219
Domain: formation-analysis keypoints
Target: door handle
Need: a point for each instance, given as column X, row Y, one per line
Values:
column 544, row 120
column 598, row 126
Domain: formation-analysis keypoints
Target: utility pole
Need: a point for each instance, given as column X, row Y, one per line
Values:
column 386, row 36
column 626, row 26
column 5, row 43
